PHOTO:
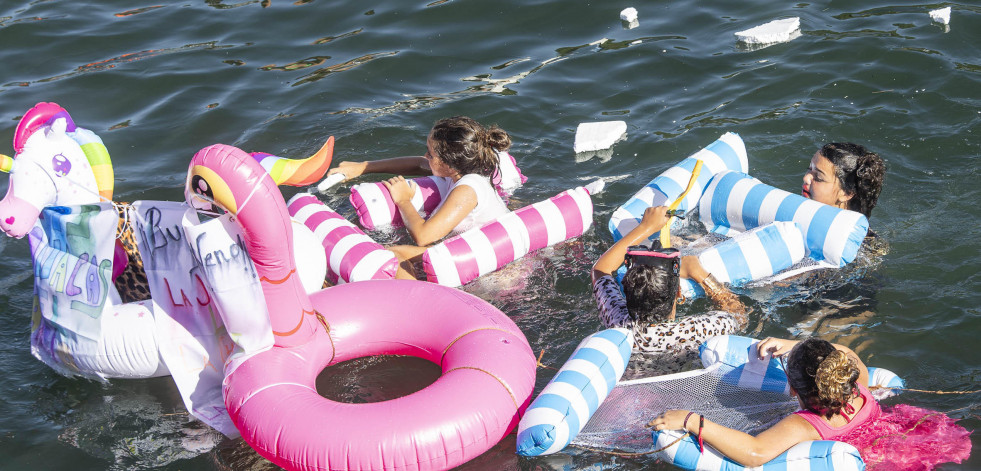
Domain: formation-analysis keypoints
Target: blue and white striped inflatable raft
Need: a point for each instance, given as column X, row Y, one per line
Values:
column 771, row 230
column 562, row 409
column 753, row 374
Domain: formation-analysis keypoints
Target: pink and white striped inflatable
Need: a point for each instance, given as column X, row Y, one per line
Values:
column 351, row 254
column 460, row 259
column 376, row 209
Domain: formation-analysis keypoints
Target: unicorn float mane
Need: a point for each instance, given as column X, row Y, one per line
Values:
column 55, row 163
column 43, row 115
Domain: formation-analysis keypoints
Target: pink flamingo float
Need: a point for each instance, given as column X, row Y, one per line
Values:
column 488, row 368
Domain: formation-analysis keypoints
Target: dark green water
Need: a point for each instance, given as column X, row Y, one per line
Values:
column 160, row 81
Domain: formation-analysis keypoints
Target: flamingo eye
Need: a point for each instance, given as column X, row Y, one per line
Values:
column 201, row 188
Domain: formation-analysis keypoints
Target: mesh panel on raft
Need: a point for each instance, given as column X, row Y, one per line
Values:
column 619, row 423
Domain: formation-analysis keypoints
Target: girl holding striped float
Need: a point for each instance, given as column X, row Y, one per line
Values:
column 648, row 300
column 459, row 149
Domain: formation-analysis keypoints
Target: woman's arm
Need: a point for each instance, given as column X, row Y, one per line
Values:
column 741, row 447
column 396, row 165
column 653, row 220
column 458, row 204
column 720, row 295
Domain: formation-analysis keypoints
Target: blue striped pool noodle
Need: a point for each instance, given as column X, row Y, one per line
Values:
column 735, row 202
column 562, row 409
column 726, row 153
column 749, row 372
column 753, row 255
column 817, row 455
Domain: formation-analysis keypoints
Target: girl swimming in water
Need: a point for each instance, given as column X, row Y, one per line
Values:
column 647, row 303
column 831, row 384
column 457, row 148
column 845, row 175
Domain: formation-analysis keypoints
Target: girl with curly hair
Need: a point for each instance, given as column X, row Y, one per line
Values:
column 831, row 384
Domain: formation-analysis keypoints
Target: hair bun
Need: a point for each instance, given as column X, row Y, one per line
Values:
column 497, row 139
column 835, row 378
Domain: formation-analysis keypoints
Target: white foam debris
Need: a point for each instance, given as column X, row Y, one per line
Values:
column 596, row 187
column 941, row 16
column 777, row 31
column 330, row 181
column 600, row 135
column 630, row 14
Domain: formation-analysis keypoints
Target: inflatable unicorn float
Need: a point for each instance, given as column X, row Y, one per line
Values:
column 93, row 313
column 488, row 368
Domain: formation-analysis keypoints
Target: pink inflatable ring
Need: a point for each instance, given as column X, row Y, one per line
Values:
column 488, row 368
column 485, row 384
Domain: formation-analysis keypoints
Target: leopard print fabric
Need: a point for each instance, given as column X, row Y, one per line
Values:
column 131, row 283
column 668, row 347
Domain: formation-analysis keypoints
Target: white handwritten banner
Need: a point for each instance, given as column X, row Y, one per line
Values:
column 236, row 292
column 72, row 248
column 192, row 337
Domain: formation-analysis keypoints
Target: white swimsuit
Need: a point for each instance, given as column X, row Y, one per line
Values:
column 489, row 204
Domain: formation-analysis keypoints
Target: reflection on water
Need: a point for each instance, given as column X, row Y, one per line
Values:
column 376, row 379
column 130, row 424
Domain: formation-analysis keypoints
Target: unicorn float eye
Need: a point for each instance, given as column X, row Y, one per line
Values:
column 61, row 165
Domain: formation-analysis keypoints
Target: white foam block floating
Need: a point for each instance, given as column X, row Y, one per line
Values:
column 777, row 31
column 330, row 181
column 630, row 14
column 598, row 136
column 940, row 16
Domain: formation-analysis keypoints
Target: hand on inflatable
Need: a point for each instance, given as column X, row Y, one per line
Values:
column 774, row 347
column 654, row 218
column 349, row 169
column 400, row 189
column 692, row 269
column 671, row 420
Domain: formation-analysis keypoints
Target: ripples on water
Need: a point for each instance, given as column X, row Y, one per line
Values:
column 159, row 82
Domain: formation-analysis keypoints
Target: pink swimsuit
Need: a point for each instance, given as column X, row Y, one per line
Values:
column 869, row 411
column 900, row 437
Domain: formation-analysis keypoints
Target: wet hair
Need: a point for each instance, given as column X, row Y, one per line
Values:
column 823, row 376
column 466, row 146
column 649, row 291
column 860, row 173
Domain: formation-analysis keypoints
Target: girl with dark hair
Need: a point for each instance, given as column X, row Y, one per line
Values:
column 458, row 148
column 845, row 175
column 831, row 384
column 647, row 303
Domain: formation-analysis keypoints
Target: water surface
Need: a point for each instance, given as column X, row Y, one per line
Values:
column 159, row 81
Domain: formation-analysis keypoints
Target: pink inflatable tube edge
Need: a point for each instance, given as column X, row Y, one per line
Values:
column 353, row 260
column 488, row 377
column 431, row 198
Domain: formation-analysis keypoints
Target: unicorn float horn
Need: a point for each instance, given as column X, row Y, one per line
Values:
column 297, row 172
